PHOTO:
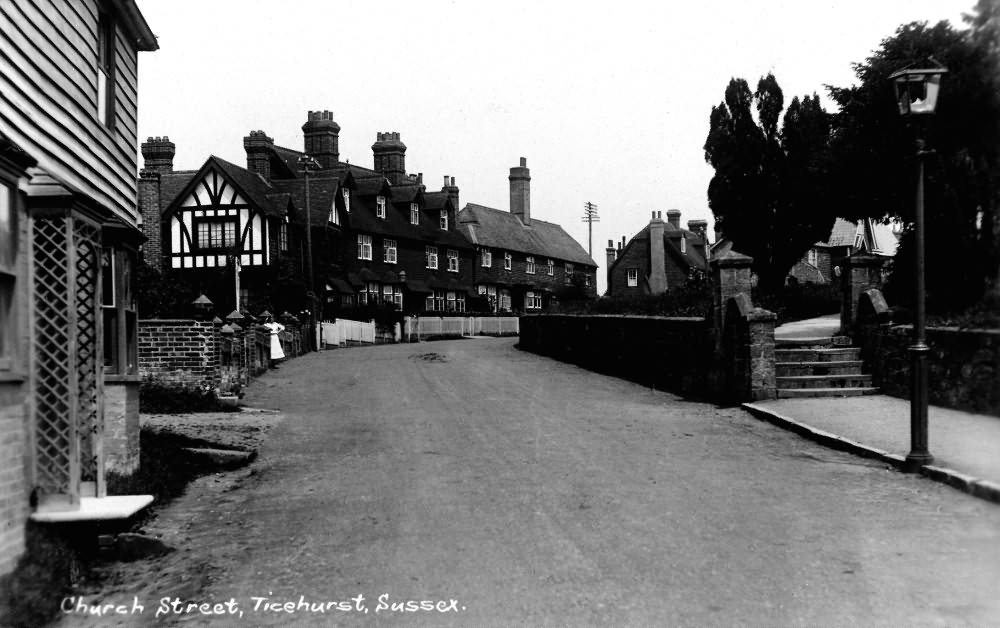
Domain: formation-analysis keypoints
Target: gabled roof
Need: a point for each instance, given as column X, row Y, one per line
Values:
column 323, row 188
column 437, row 201
column 407, row 193
column 397, row 224
column 176, row 186
column 694, row 255
column 485, row 226
column 843, row 234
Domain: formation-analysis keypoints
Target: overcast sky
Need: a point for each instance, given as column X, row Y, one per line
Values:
column 609, row 102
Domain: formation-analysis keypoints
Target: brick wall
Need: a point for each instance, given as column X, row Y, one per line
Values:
column 183, row 351
column 963, row 364
column 518, row 274
column 13, row 481
column 671, row 353
column 149, row 209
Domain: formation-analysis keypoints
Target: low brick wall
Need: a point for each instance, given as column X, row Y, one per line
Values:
column 963, row 364
column 182, row 351
column 674, row 354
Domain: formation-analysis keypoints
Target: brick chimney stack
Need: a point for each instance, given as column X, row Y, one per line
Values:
column 258, row 146
column 657, row 259
column 674, row 218
column 612, row 256
column 700, row 227
column 157, row 155
column 452, row 190
column 520, row 191
column 322, row 138
column 390, row 157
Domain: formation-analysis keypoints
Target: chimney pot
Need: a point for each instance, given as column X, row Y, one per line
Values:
column 445, row 180
column 674, row 218
column 158, row 155
column 520, row 191
column 524, row 162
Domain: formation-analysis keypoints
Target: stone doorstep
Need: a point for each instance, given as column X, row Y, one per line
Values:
column 111, row 508
column 832, row 367
column 813, row 341
column 795, row 393
column 817, row 355
column 823, row 381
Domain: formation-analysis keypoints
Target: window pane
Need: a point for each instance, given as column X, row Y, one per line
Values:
column 110, row 339
column 8, row 229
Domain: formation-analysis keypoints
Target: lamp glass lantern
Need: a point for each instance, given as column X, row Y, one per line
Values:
column 917, row 89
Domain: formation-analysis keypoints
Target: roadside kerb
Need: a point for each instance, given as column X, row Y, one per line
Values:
column 983, row 489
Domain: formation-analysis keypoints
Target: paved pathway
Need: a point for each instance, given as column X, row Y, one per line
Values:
column 535, row 493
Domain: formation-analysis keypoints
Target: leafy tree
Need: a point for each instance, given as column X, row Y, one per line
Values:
column 768, row 192
column 873, row 148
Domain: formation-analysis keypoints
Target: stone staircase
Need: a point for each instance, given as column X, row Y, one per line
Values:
column 819, row 367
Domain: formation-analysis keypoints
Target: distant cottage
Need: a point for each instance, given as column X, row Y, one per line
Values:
column 660, row 257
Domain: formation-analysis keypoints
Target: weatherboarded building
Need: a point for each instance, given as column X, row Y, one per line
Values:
column 68, row 241
column 523, row 263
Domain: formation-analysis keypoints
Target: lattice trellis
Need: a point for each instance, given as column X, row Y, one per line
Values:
column 67, row 346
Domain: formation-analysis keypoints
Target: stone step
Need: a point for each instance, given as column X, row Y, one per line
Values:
column 818, row 342
column 832, row 367
column 817, row 355
column 824, row 381
column 799, row 393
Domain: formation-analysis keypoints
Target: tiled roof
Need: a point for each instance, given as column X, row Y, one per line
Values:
column 397, row 222
column 251, row 183
column 171, row 184
column 499, row 229
column 843, row 234
column 694, row 255
column 322, row 192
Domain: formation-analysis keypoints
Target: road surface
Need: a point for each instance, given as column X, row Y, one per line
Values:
column 508, row 489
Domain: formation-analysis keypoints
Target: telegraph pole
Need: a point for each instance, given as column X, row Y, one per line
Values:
column 590, row 217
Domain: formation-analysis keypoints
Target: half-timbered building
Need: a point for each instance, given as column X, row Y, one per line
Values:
column 377, row 236
column 68, row 240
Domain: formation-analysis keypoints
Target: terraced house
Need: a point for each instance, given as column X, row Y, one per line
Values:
column 68, row 242
column 373, row 235
column 523, row 263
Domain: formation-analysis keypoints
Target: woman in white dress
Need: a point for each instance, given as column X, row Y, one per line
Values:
column 276, row 352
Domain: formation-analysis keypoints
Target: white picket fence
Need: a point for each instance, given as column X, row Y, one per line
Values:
column 343, row 332
column 418, row 327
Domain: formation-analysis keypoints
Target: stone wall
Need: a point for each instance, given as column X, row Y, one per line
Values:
column 963, row 365
column 670, row 353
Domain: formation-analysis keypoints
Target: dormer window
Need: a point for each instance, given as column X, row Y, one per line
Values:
column 380, row 206
column 444, row 219
column 334, row 217
column 414, row 214
column 347, row 199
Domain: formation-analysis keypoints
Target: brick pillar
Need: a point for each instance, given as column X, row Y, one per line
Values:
column 761, row 354
column 731, row 275
column 862, row 272
column 148, row 194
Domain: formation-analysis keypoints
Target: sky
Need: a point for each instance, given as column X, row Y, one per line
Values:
column 609, row 102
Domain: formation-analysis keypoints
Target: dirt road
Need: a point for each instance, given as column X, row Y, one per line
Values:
column 507, row 489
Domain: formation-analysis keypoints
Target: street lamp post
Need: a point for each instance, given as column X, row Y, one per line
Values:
column 916, row 94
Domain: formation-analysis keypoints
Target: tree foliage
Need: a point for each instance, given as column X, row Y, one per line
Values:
column 873, row 147
column 768, row 192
